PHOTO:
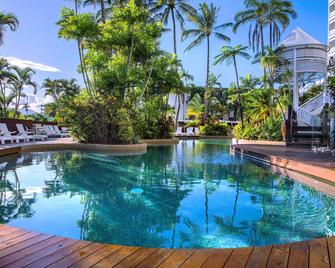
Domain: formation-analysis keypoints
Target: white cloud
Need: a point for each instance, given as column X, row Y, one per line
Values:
column 36, row 66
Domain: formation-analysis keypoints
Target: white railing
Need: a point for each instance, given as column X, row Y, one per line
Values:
column 317, row 101
column 308, row 118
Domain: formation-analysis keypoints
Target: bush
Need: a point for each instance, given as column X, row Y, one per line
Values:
column 269, row 130
column 214, row 128
column 97, row 120
column 153, row 122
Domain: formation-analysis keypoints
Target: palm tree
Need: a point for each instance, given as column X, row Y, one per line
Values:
column 21, row 79
column 102, row 4
column 59, row 88
column 7, row 20
column 256, row 15
column 205, row 22
column 175, row 8
column 278, row 17
column 228, row 54
column 270, row 60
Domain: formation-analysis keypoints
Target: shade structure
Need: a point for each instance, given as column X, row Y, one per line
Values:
column 306, row 58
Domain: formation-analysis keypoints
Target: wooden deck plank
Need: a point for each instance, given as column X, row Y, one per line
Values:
column 156, row 258
column 259, row 257
column 97, row 256
column 197, row 259
column 11, row 235
column 299, row 255
column 77, row 256
column 137, row 257
column 177, row 258
column 50, row 258
column 238, row 258
column 279, row 256
column 116, row 257
column 218, row 258
column 16, row 240
column 29, row 241
column 39, row 243
column 331, row 250
column 41, row 250
column 318, row 254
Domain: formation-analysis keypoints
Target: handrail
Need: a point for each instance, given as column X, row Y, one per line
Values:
column 308, row 118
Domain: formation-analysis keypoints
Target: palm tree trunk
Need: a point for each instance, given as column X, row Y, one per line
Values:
column 130, row 55
column 103, row 11
column 262, row 38
column 271, row 37
column 178, row 109
column 82, row 66
column 207, row 79
column 174, row 32
column 238, row 92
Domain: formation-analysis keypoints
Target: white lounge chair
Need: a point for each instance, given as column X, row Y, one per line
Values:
column 9, row 135
column 189, row 131
column 196, row 131
column 58, row 132
column 50, row 132
column 24, row 133
column 30, row 134
column 179, row 132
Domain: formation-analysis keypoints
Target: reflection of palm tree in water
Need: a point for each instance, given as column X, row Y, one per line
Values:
column 12, row 202
column 85, row 217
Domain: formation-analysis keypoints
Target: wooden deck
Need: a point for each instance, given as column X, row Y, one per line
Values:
column 20, row 248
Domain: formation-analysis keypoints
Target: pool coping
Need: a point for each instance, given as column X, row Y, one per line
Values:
column 313, row 170
column 318, row 251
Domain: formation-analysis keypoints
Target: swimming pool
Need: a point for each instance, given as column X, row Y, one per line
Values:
column 191, row 195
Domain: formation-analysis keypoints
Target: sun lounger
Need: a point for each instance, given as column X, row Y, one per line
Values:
column 29, row 134
column 58, row 132
column 7, row 135
column 189, row 131
column 179, row 132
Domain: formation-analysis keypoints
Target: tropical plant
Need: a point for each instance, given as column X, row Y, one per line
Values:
column 22, row 78
column 196, row 108
column 229, row 54
column 255, row 14
column 206, row 24
column 177, row 9
column 278, row 16
column 102, row 3
column 7, row 20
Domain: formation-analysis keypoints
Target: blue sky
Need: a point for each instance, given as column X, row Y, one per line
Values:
column 36, row 38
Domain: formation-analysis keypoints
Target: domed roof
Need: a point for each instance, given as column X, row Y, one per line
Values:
column 299, row 37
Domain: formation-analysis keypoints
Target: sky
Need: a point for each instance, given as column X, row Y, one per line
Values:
column 36, row 39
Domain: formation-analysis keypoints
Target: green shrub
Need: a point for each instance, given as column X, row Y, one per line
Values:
column 97, row 120
column 269, row 130
column 153, row 122
column 193, row 123
column 214, row 128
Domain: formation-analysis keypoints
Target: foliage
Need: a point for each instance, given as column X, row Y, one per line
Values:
column 270, row 130
column 7, row 20
column 312, row 92
column 98, row 120
column 214, row 128
column 153, row 123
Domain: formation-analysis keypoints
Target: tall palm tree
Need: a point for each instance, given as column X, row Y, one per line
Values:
column 205, row 22
column 278, row 16
column 229, row 54
column 21, row 79
column 102, row 4
column 175, row 8
column 7, row 20
column 256, row 15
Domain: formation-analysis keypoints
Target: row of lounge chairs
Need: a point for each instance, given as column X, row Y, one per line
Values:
column 190, row 131
column 26, row 135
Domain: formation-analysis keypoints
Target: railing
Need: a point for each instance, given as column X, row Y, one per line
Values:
column 316, row 102
column 308, row 118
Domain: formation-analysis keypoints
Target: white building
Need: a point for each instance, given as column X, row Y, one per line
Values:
column 331, row 28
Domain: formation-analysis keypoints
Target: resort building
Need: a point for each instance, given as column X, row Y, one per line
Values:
column 331, row 29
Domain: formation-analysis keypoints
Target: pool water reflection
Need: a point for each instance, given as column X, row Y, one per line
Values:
column 191, row 195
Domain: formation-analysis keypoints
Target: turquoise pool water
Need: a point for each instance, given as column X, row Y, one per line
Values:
column 195, row 194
